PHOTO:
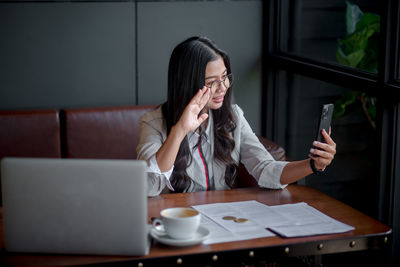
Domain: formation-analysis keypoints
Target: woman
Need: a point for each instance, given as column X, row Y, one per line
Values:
column 195, row 140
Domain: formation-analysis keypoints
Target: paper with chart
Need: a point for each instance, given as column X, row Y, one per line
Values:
column 228, row 230
column 243, row 220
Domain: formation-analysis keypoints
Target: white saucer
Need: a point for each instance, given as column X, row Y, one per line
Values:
column 202, row 234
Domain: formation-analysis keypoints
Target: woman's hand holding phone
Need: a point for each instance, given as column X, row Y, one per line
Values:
column 323, row 153
column 323, row 149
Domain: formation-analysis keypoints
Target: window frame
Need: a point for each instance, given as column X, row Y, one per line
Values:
column 385, row 86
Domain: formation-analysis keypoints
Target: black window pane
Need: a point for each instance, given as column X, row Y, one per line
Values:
column 334, row 31
column 352, row 176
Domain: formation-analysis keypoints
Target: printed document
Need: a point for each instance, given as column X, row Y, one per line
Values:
column 243, row 220
column 223, row 230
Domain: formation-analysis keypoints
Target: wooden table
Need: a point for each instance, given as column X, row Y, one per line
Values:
column 368, row 234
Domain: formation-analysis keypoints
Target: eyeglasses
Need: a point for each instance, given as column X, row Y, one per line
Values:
column 227, row 81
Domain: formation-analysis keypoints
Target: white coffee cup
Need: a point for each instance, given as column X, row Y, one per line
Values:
column 179, row 223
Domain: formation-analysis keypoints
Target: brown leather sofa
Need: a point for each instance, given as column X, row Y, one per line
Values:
column 103, row 132
column 30, row 134
column 85, row 133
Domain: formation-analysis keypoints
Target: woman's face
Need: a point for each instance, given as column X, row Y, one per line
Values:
column 215, row 75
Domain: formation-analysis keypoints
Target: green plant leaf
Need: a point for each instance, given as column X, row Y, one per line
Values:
column 360, row 49
column 359, row 39
column 353, row 16
column 343, row 102
column 341, row 57
column 354, row 42
column 370, row 21
column 370, row 61
column 355, row 57
column 352, row 59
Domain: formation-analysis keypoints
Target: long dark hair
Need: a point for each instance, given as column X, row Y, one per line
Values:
column 186, row 75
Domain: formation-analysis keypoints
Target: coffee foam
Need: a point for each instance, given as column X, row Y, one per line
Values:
column 180, row 213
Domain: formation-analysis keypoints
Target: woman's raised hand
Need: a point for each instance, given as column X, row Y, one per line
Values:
column 190, row 119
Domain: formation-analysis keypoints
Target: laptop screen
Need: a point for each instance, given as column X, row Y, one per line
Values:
column 75, row 206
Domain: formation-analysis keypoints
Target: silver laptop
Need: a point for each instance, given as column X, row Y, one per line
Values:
column 75, row 206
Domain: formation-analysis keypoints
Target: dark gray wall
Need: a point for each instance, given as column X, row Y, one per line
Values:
column 66, row 54
column 75, row 54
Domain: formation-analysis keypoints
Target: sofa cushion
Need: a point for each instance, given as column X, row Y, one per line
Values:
column 30, row 133
column 111, row 133
column 244, row 179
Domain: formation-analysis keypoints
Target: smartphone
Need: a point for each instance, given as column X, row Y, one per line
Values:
column 324, row 122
